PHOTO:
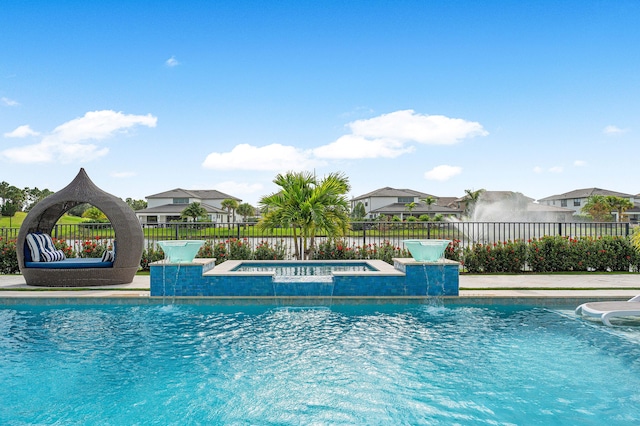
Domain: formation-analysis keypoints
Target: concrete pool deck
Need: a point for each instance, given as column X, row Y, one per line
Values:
column 572, row 287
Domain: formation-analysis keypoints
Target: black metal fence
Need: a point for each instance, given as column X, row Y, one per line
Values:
column 361, row 233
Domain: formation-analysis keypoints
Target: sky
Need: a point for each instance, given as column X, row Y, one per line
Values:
column 537, row 97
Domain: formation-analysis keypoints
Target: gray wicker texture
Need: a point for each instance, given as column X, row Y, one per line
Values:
column 128, row 233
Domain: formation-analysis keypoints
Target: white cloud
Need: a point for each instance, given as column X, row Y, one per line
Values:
column 613, row 130
column 408, row 126
column 21, row 132
column 231, row 187
column 537, row 169
column 443, row 172
column 274, row 157
column 8, row 102
column 172, row 62
column 388, row 135
column 68, row 142
column 354, row 146
column 580, row 163
column 123, row 175
column 556, row 169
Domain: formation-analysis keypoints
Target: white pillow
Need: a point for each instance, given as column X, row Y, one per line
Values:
column 39, row 244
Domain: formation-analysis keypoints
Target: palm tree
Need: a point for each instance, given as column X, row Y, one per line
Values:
column 230, row 205
column 598, row 208
column 619, row 204
column 194, row 211
column 471, row 199
column 245, row 210
column 307, row 205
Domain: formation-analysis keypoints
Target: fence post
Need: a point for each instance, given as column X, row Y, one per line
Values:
column 238, row 226
column 560, row 228
column 626, row 229
column 364, row 234
column 177, row 233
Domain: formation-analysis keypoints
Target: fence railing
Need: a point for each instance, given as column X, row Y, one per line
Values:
column 360, row 234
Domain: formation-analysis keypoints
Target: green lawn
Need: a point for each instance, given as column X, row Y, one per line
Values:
column 16, row 221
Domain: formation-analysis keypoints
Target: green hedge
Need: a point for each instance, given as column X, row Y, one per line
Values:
column 546, row 254
column 553, row 254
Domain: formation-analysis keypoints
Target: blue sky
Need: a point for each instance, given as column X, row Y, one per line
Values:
column 437, row 96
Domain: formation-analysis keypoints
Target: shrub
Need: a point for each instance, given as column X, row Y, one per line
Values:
column 150, row 255
column 240, row 249
column 220, row 252
column 93, row 248
column 8, row 257
column 267, row 251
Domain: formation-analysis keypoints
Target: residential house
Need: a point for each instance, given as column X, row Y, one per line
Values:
column 402, row 203
column 576, row 199
column 167, row 206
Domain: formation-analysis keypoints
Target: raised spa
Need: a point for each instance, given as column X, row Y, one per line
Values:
column 346, row 278
column 426, row 250
column 180, row 251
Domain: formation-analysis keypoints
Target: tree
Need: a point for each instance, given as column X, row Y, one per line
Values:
column 136, row 204
column 359, row 212
column 246, row 210
column 429, row 201
column 193, row 211
column 8, row 209
column 307, row 205
column 230, row 205
column 598, row 207
column 33, row 196
column 410, row 206
column 94, row 213
column 619, row 204
column 471, row 199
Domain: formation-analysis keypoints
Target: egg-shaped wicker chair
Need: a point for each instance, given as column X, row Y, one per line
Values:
column 129, row 239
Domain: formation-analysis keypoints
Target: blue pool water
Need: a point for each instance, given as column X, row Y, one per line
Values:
column 303, row 269
column 340, row 365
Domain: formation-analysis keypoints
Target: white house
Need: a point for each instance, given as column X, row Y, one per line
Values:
column 167, row 206
column 394, row 202
column 576, row 199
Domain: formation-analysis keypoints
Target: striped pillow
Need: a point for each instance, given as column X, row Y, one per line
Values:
column 42, row 248
column 108, row 256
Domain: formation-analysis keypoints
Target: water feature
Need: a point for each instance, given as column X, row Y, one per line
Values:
column 180, row 251
column 426, row 250
column 344, row 365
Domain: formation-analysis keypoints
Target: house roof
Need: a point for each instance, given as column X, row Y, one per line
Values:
column 393, row 192
column 586, row 193
column 420, row 208
column 203, row 194
column 176, row 209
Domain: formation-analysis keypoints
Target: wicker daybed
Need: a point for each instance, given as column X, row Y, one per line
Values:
column 82, row 272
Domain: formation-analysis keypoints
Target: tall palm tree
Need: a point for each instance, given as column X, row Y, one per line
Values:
column 230, row 205
column 619, row 204
column 471, row 199
column 307, row 205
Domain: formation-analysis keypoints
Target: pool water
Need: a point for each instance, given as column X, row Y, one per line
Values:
column 339, row 365
column 303, row 269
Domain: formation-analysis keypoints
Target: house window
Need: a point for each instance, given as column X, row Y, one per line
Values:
column 152, row 219
column 180, row 201
column 576, row 202
column 405, row 199
column 563, row 203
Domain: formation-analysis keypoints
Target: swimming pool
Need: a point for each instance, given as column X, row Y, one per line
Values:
column 418, row 364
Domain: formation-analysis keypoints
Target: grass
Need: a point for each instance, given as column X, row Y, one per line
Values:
column 17, row 220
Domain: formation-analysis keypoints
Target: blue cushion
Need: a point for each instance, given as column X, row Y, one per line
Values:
column 71, row 263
